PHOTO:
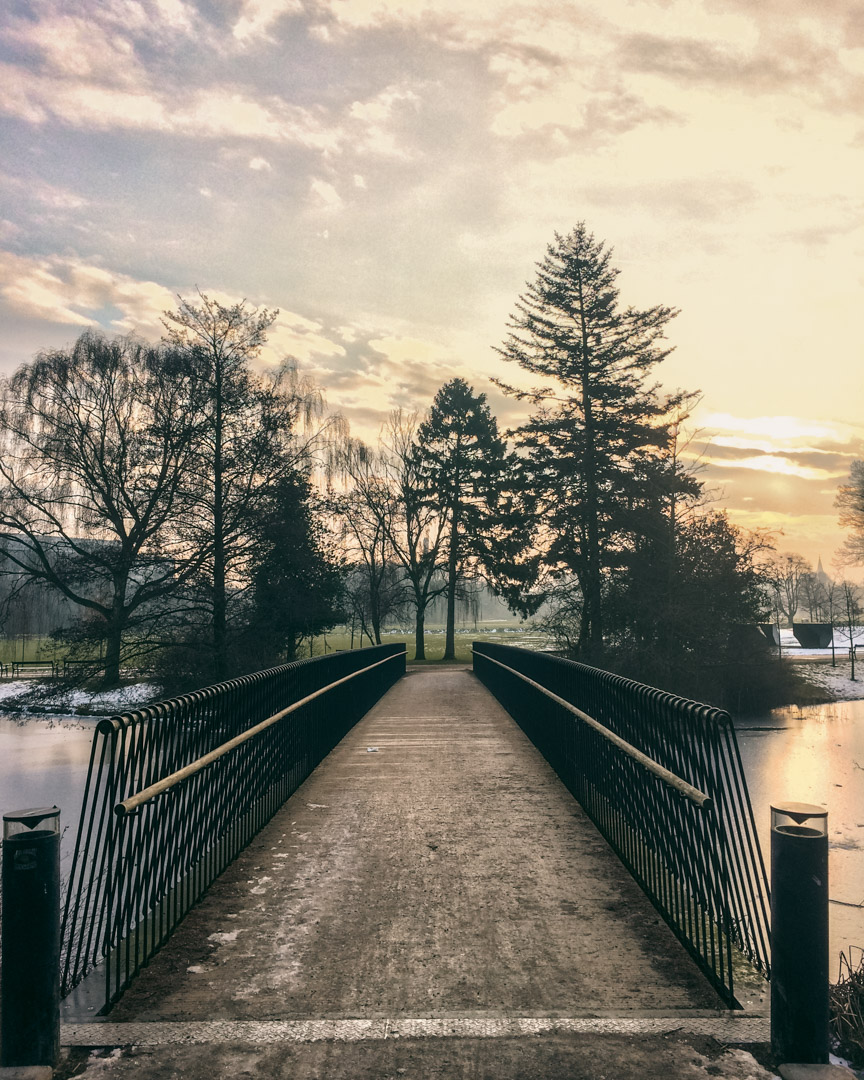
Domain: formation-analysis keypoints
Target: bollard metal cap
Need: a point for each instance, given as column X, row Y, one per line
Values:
column 799, row 811
column 17, row 821
column 799, row 819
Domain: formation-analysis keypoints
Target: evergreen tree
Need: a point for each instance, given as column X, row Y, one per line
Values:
column 296, row 575
column 601, row 427
column 464, row 461
column 700, row 639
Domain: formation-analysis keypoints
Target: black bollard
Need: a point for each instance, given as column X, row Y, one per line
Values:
column 799, row 933
column 30, row 962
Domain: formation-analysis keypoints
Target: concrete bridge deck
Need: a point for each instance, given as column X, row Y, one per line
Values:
column 431, row 902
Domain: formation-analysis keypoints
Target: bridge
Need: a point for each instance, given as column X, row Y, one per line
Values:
column 338, row 868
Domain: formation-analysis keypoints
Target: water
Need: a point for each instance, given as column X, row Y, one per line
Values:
column 813, row 754
column 816, row 755
column 43, row 763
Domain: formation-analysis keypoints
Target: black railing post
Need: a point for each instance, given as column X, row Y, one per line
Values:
column 799, row 933
column 30, row 963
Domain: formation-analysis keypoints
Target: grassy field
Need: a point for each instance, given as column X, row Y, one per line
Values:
column 33, row 647
column 29, row 647
column 521, row 636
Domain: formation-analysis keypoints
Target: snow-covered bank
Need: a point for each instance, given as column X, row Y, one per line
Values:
column 836, row 681
column 32, row 696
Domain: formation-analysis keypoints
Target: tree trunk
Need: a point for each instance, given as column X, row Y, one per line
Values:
column 220, row 647
column 420, row 634
column 113, row 642
column 593, row 588
column 113, row 639
column 375, row 615
column 452, row 565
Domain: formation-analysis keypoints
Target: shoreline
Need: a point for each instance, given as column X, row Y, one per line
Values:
column 31, row 698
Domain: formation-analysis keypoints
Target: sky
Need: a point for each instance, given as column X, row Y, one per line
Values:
column 387, row 173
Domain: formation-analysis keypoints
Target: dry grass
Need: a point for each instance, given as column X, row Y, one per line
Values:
column 847, row 1007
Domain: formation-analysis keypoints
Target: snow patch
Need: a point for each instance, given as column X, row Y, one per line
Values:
column 44, row 696
column 100, row 1059
column 122, row 697
column 836, row 680
column 12, row 689
column 225, row 938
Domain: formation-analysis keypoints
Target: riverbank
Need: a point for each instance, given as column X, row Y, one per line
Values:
column 48, row 696
column 834, row 682
column 816, row 682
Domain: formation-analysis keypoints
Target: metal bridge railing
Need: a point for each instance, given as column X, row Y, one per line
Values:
column 661, row 778
column 176, row 790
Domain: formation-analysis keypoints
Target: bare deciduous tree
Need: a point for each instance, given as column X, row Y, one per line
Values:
column 390, row 492
column 97, row 440
column 250, row 442
column 787, row 574
column 850, row 502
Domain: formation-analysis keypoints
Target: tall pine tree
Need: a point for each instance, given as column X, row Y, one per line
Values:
column 599, row 427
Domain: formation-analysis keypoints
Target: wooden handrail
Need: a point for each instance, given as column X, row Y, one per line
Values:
column 134, row 802
column 697, row 797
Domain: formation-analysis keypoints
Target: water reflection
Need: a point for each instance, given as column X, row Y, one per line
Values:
column 42, row 763
column 816, row 755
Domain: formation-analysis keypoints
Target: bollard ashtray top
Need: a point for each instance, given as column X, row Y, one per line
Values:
column 789, row 817
column 19, row 821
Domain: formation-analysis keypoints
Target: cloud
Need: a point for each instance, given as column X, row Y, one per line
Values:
column 64, row 290
column 690, row 198
column 257, row 16
column 778, row 446
column 782, row 428
column 304, row 339
column 216, row 112
column 381, row 118
column 48, row 195
column 75, row 47
column 324, row 196
column 804, row 466
column 789, row 60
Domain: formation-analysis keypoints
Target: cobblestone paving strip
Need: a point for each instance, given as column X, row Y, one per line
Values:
column 281, row 1031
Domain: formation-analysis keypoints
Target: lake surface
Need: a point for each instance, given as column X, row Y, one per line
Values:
column 44, row 763
column 813, row 754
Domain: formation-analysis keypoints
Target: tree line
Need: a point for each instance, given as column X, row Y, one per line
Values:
column 174, row 495
column 154, row 487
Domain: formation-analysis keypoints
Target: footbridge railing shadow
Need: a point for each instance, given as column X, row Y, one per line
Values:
column 176, row 790
column 661, row 778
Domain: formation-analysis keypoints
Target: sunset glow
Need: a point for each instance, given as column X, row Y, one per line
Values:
column 387, row 173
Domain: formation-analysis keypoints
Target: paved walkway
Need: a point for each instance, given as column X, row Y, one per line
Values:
column 431, row 895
